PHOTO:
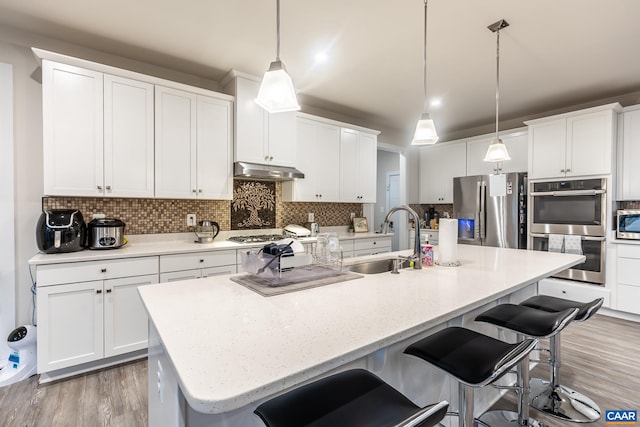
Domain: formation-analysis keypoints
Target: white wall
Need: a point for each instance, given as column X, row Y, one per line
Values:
column 387, row 162
column 7, row 254
column 27, row 175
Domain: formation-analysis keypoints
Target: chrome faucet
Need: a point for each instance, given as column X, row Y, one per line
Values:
column 416, row 257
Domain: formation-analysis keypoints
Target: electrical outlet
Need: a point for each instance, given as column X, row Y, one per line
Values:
column 310, row 217
column 191, row 220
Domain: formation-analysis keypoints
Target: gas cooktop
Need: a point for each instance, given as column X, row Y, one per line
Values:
column 257, row 238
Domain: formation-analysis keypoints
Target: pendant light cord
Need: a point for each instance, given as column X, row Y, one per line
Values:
column 424, row 68
column 497, row 79
column 277, row 30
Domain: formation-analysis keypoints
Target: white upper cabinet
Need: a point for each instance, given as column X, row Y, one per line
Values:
column 175, row 143
column 358, row 165
column 628, row 155
column 214, row 177
column 193, row 143
column 516, row 141
column 261, row 137
column 317, row 148
column 98, row 133
column 573, row 144
column 439, row 164
column 72, row 109
column 128, row 137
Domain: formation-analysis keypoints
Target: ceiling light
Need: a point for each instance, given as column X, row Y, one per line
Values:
column 321, row 56
column 497, row 151
column 276, row 93
column 425, row 129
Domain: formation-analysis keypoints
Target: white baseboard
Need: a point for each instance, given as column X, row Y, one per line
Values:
column 619, row 314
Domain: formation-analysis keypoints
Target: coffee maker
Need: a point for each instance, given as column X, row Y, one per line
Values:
column 429, row 215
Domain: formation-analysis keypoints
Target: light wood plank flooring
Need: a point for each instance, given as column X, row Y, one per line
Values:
column 600, row 357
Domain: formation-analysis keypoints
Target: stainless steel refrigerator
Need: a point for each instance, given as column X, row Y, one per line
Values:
column 491, row 210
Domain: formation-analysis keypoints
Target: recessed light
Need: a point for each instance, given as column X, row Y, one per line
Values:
column 321, row 56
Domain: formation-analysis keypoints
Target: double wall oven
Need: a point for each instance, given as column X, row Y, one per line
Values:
column 574, row 208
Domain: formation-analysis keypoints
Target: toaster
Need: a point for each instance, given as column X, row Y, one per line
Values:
column 61, row 230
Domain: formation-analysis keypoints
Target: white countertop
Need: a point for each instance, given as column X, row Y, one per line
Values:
column 231, row 346
column 175, row 243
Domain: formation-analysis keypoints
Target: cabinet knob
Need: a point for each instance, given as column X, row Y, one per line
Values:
column 99, row 187
column 201, row 260
column 266, row 157
column 568, row 170
column 108, row 187
column 270, row 157
column 98, row 291
column 103, row 270
column 564, row 292
column 194, row 191
column 321, row 196
column 562, row 170
column 199, row 190
column 108, row 291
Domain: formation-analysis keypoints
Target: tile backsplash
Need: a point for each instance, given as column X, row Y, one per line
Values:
column 153, row 216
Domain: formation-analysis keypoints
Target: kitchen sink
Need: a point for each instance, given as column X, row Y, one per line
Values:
column 377, row 266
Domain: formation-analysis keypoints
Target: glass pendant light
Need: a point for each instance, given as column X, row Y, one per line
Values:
column 277, row 94
column 497, row 151
column 425, row 129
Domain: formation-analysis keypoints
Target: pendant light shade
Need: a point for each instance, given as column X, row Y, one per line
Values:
column 276, row 93
column 497, row 151
column 425, row 129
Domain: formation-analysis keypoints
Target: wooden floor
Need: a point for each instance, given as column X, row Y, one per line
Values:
column 601, row 357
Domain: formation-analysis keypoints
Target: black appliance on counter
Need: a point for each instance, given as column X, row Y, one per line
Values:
column 61, row 230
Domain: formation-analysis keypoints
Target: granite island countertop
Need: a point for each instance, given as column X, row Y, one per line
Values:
column 230, row 346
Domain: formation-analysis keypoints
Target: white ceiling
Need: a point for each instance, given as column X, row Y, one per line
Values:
column 554, row 55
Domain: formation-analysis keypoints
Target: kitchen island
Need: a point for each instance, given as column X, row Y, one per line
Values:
column 218, row 349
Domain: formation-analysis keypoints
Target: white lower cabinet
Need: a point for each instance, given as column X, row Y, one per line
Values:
column 572, row 290
column 628, row 280
column 371, row 246
column 196, row 265
column 82, row 321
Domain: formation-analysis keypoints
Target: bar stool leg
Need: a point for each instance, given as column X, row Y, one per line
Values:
column 465, row 404
column 560, row 401
column 510, row 418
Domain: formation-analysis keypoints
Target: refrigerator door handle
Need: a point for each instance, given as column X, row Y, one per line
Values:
column 483, row 212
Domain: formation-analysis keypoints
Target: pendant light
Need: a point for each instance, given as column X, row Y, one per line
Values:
column 277, row 94
column 425, row 129
column 497, row 151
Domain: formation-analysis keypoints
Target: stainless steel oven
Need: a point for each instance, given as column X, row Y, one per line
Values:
column 569, row 207
column 593, row 248
column 571, row 211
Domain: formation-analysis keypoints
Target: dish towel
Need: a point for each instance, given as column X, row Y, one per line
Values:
column 573, row 245
column 556, row 242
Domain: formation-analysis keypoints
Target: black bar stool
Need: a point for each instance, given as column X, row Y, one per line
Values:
column 524, row 321
column 474, row 359
column 550, row 396
column 354, row 398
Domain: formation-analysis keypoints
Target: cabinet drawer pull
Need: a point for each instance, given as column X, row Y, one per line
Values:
column 98, row 291
column 103, row 270
column 108, row 291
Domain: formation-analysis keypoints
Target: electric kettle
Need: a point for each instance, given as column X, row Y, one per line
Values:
column 206, row 230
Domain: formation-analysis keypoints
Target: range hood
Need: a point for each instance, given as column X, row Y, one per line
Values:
column 265, row 172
